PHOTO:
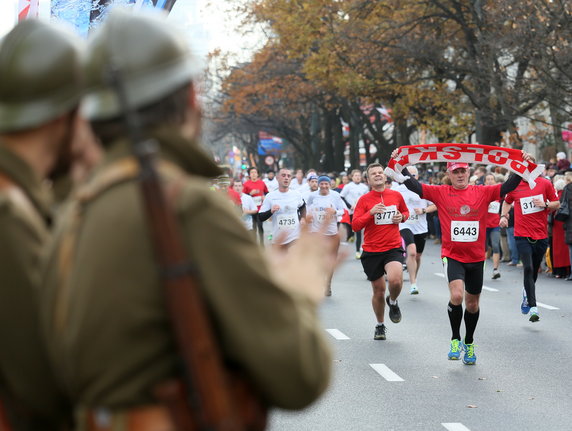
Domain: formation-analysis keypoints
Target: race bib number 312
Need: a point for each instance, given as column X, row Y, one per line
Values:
column 528, row 207
column 464, row 231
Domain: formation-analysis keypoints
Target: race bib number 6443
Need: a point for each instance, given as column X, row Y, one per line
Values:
column 464, row 231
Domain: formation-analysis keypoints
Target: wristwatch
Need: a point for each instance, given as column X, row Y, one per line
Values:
column 506, row 216
column 424, row 210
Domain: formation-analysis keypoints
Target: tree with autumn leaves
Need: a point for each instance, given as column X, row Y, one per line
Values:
column 451, row 67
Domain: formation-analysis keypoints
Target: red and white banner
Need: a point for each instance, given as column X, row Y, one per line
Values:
column 508, row 158
column 27, row 9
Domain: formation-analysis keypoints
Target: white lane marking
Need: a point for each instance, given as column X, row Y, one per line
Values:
column 490, row 289
column 540, row 304
column 337, row 334
column 386, row 373
column 455, row 426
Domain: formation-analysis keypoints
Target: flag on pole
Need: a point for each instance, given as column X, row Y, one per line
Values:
column 27, row 9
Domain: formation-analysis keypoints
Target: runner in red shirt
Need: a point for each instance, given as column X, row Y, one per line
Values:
column 462, row 215
column 256, row 188
column 379, row 213
column 531, row 208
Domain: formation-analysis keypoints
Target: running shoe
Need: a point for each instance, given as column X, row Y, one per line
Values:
column 496, row 274
column 394, row 311
column 455, row 352
column 469, row 358
column 379, row 332
column 534, row 317
column 524, row 307
column 414, row 290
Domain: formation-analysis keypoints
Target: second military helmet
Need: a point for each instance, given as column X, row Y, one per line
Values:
column 40, row 75
column 151, row 59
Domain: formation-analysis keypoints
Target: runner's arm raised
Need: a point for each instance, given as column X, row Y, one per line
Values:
column 412, row 183
column 510, row 184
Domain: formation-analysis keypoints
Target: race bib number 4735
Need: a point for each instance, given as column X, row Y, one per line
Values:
column 464, row 231
column 287, row 221
column 385, row 217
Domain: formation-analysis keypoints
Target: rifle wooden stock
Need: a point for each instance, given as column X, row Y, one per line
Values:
column 217, row 400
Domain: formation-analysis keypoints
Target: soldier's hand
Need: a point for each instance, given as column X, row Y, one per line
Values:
column 305, row 266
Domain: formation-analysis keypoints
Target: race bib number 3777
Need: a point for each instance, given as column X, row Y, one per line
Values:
column 385, row 217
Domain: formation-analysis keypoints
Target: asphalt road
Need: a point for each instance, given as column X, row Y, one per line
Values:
column 521, row 380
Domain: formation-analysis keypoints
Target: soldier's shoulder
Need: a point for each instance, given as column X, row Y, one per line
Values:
column 194, row 193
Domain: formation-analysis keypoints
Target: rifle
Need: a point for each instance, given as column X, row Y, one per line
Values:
column 211, row 397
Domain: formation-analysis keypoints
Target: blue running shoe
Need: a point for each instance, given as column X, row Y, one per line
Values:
column 455, row 352
column 469, row 358
column 524, row 307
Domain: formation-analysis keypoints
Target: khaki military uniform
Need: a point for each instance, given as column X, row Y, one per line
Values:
column 106, row 313
column 26, row 379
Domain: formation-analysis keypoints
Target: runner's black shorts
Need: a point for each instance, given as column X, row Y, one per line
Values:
column 470, row 273
column 418, row 239
column 374, row 263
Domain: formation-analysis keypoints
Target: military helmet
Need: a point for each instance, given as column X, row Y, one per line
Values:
column 40, row 75
column 150, row 57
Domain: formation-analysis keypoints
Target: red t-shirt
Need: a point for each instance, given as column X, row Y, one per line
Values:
column 463, row 219
column 493, row 214
column 234, row 197
column 529, row 220
column 260, row 189
column 380, row 233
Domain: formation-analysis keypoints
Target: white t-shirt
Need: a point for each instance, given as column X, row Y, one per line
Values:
column 247, row 205
column 272, row 184
column 285, row 220
column 294, row 184
column 417, row 223
column 306, row 192
column 317, row 204
column 352, row 192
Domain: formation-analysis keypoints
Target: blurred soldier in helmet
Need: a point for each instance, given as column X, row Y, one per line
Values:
column 40, row 88
column 105, row 307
